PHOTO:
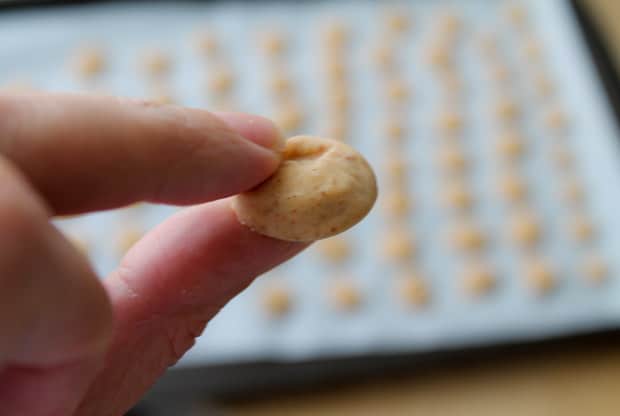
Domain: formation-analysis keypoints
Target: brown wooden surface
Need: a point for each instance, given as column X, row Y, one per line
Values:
column 571, row 378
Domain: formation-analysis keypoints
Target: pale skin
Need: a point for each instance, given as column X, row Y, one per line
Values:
column 71, row 344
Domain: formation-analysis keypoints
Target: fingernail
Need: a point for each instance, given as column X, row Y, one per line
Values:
column 260, row 130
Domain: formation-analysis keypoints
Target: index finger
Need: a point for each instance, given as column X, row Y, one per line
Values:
column 85, row 153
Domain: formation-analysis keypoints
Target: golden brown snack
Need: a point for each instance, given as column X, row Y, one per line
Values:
column 322, row 188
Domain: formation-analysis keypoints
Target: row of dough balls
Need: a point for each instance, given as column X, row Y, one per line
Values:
column 477, row 280
column 524, row 229
column 457, row 195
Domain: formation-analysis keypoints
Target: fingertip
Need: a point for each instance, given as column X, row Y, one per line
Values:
column 257, row 129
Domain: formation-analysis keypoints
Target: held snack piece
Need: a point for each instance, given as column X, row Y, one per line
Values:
column 322, row 188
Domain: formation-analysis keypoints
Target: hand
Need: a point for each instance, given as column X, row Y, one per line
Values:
column 70, row 343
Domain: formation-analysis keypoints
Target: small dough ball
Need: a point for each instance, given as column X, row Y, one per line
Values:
column 539, row 276
column 338, row 100
column 397, row 90
column 207, row 44
column 581, row 228
column 595, row 269
column 488, row 44
column 289, row 118
column 396, row 167
column 516, row 14
column 335, row 35
column 273, row 43
column 453, row 160
column 336, row 71
column 220, row 80
column 556, row 119
column 394, row 128
column 397, row 204
column 127, row 238
column 161, row 94
column 513, row 188
column 280, row 83
column 525, row 229
column 157, row 63
column 450, row 122
column 562, row 156
column 500, row 73
column 449, row 23
column 322, row 188
column 398, row 245
column 510, row 145
column 334, row 249
column 468, row 236
column 162, row 97
column 414, row 291
column 398, row 21
column 532, row 49
column 344, row 295
column 89, row 62
column 506, row 109
column 457, row 195
column 450, row 82
column 573, row 191
column 478, row 280
column 276, row 300
column 440, row 55
column 543, row 84
column 384, row 57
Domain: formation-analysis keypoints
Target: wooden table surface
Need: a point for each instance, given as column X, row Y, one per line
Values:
column 579, row 377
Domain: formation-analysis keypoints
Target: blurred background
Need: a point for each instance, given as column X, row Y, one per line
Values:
column 389, row 318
